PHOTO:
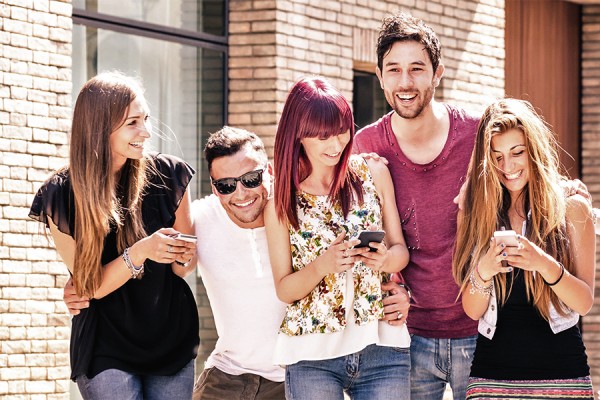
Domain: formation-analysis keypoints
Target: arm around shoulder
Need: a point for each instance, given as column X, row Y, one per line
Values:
column 290, row 285
column 279, row 249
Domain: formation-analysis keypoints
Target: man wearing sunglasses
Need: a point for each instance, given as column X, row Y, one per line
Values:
column 233, row 262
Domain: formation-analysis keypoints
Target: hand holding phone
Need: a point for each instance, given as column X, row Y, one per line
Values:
column 366, row 237
column 509, row 238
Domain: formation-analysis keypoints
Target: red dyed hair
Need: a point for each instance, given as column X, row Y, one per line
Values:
column 313, row 108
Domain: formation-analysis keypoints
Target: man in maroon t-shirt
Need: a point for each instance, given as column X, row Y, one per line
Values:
column 428, row 146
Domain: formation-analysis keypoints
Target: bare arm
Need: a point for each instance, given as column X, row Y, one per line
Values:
column 575, row 290
column 396, row 256
column 115, row 273
column 159, row 247
column 186, row 251
column 475, row 302
column 289, row 285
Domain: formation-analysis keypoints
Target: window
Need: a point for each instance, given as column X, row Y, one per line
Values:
column 369, row 103
column 183, row 71
column 206, row 16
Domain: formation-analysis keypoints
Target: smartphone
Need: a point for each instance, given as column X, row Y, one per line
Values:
column 366, row 237
column 509, row 238
column 185, row 238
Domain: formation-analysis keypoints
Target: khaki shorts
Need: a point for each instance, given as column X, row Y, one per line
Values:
column 215, row 384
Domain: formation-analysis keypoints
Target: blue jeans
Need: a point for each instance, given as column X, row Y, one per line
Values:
column 436, row 362
column 114, row 384
column 374, row 373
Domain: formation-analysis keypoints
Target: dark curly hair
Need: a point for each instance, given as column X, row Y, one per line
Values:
column 404, row 27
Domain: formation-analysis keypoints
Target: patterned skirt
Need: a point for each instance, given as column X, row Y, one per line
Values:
column 578, row 388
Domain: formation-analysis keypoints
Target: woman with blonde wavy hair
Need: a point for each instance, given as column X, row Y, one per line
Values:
column 112, row 214
column 528, row 297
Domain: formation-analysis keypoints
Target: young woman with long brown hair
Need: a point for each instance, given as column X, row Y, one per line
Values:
column 112, row 214
column 528, row 297
column 331, row 339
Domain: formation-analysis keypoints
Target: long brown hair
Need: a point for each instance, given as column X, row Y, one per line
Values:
column 486, row 201
column 102, row 200
column 313, row 108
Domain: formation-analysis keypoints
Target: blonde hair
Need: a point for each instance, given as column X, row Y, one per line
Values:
column 487, row 201
column 100, row 109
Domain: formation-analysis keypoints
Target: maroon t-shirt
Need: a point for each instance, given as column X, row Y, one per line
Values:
column 424, row 195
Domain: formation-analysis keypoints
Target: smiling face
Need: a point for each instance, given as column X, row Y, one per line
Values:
column 512, row 160
column 127, row 141
column 244, row 206
column 325, row 152
column 407, row 78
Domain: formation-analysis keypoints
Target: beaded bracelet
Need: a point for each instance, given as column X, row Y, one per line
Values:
column 562, row 272
column 136, row 272
column 477, row 287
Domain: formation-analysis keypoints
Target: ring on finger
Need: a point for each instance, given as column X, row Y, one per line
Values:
column 398, row 315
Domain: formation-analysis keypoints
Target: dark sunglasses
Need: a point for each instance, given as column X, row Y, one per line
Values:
column 251, row 180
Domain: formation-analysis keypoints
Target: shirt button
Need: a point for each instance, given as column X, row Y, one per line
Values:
column 493, row 307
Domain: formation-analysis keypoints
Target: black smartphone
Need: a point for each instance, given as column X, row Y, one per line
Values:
column 366, row 237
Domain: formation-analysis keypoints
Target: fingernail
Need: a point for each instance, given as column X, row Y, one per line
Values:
column 504, row 254
column 509, row 269
column 502, row 245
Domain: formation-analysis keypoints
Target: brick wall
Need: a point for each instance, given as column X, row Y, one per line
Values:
column 273, row 43
column 590, row 159
column 35, row 86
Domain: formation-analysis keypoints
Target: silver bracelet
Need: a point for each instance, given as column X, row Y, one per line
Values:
column 477, row 287
column 136, row 272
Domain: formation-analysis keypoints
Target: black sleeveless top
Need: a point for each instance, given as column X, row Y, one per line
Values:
column 147, row 326
column 524, row 346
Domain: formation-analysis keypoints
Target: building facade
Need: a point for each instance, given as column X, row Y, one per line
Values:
column 206, row 63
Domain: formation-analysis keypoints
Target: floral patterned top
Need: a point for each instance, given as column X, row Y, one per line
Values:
column 323, row 310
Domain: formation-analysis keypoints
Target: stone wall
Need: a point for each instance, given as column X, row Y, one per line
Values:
column 35, row 98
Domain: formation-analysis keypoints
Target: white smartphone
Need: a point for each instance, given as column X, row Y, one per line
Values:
column 366, row 237
column 185, row 238
column 509, row 238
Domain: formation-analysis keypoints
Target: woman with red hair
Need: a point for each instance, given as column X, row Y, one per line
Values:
column 331, row 339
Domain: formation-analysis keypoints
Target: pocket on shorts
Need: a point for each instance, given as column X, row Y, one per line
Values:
column 203, row 378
